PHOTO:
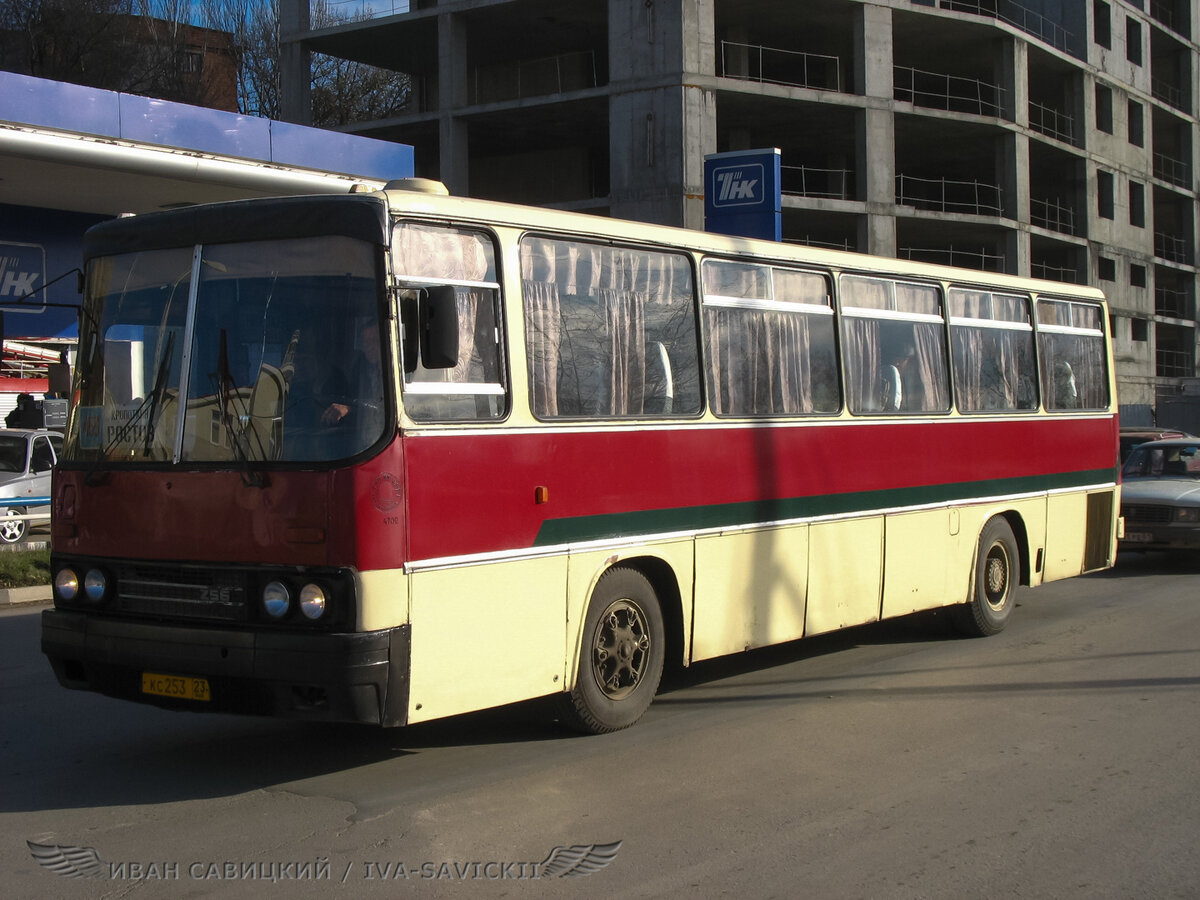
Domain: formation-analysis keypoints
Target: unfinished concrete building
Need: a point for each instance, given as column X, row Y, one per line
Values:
column 1053, row 138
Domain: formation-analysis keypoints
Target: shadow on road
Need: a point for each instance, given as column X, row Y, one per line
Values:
column 68, row 749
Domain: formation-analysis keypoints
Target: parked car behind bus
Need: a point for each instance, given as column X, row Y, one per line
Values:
column 1132, row 436
column 1160, row 496
column 26, row 458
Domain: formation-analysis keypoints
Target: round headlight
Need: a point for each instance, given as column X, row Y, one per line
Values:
column 66, row 584
column 95, row 584
column 312, row 601
column 276, row 599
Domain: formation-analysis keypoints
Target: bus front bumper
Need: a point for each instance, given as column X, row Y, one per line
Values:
column 318, row 676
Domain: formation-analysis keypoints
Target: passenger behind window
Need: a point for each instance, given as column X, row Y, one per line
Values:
column 1066, row 393
column 893, row 396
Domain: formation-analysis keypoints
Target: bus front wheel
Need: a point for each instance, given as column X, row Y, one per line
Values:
column 621, row 655
column 997, row 572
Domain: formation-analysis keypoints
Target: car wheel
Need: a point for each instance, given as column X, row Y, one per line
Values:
column 12, row 530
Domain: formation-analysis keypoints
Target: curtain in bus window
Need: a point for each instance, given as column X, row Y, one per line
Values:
column 602, row 354
column 896, row 363
column 431, row 251
column 864, row 365
column 543, row 319
column 762, row 363
column 992, row 369
column 992, row 345
column 625, row 323
column 610, row 331
column 1074, row 373
column 927, row 381
column 464, row 260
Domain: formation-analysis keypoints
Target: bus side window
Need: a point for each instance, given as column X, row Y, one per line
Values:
column 610, row 331
column 452, row 346
column 1072, row 354
column 894, row 338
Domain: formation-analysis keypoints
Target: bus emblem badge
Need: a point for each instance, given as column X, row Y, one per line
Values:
column 385, row 492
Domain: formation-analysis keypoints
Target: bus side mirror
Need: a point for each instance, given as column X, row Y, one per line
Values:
column 439, row 328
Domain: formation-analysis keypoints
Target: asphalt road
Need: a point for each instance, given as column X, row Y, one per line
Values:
column 1057, row 759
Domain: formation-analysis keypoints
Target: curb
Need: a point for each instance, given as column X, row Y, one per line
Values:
column 24, row 546
column 42, row 593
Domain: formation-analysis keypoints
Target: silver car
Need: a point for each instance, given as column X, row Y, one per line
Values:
column 1160, row 496
column 26, row 458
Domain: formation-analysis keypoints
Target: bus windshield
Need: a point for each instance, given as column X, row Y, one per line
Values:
column 274, row 346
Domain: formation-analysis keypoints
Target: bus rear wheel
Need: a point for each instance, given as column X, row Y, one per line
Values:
column 621, row 655
column 997, row 572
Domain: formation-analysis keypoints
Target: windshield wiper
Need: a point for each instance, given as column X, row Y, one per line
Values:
column 156, row 392
column 148, row 405
column 251, row 477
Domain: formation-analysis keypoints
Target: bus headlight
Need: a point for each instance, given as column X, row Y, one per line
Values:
column 95, row 585
column 276, row 599
column 312, row 601
column 66, row 584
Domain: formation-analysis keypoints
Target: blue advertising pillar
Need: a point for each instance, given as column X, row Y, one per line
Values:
column 742, row 194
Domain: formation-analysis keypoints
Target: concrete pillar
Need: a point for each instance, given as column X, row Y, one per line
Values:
column 875, row 155
column 873, row 75
column 660, row 124
column 1014, row 79
column 295, row 73
column 453, row 142
column 1013, row 163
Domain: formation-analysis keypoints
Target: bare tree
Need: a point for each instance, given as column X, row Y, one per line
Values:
column 150, row 47
column 254, row 25
column 345, row 91
column 342, row 91
column 135, row 46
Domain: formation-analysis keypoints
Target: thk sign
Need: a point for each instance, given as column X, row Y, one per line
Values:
column 742, row 194
column 22, row 270
column 738, row 186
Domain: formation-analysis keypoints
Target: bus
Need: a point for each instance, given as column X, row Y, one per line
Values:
column 395, row 455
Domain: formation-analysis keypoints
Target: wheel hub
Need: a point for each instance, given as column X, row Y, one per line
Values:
column 621, row 649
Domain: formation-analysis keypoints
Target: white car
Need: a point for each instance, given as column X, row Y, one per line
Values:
column 1160, row 496
column 26, row 458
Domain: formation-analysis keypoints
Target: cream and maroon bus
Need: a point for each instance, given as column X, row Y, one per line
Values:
column 393, row 456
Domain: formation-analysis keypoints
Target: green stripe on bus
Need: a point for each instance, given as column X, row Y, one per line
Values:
column 731, row 515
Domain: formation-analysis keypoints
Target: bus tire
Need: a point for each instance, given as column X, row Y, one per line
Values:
column 621, row 655
column 993, row 591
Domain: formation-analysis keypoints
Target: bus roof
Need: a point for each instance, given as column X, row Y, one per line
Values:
column 404, row 202
column 364, row 216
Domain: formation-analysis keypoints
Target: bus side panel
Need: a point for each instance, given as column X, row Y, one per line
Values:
column 925, row 565
column 1066, row 535
column 585, row 569
column 1028, row 518
column 486, row 635
column 845, row 574
column 751, row 590
column 383, row 600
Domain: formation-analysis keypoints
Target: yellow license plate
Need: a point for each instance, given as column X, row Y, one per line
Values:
column 182, row 686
